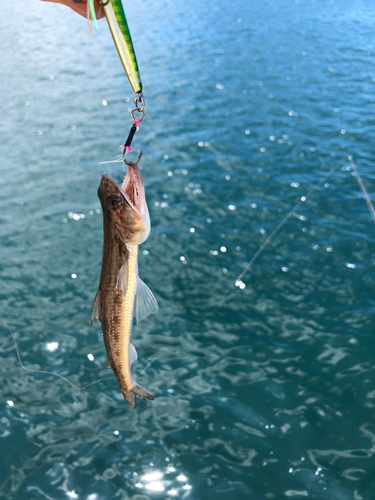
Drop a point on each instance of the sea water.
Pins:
(262, 391)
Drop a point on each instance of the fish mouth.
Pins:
(135, 211)
(132, 189)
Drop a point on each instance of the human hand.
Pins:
(81, 7)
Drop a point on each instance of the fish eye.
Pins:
(115, 202)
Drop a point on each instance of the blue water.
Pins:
(264, 391)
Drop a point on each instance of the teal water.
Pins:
(261, 392)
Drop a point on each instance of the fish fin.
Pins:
(129, 398)
(142, 393)
(145, 302)
(139, 391)
(122, 278)
(108, 365)
(133, 355)
(95, 314)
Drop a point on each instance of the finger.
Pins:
(80, 8)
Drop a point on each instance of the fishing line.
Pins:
(277, 229)
(43, 371)
(238, 281)
(152, 359)
(363, 189)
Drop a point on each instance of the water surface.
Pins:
(264, 391)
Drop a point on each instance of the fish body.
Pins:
(121, 293)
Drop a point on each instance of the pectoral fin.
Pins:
(145, 302)
(122, 278)
(96, 313)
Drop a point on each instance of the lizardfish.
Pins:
(121, 293)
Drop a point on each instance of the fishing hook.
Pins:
(139, 99)
(132, 162)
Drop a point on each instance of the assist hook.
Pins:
(130, 163)
(139, 99)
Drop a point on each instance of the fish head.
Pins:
(124, 208)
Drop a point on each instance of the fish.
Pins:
(121, 293)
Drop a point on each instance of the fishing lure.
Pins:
(119, 28)
(118, 25)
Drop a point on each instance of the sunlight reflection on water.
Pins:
(168, 482)
(263, 384)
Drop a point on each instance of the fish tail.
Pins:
(142, 393)
(139, 391)
(129, 398)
